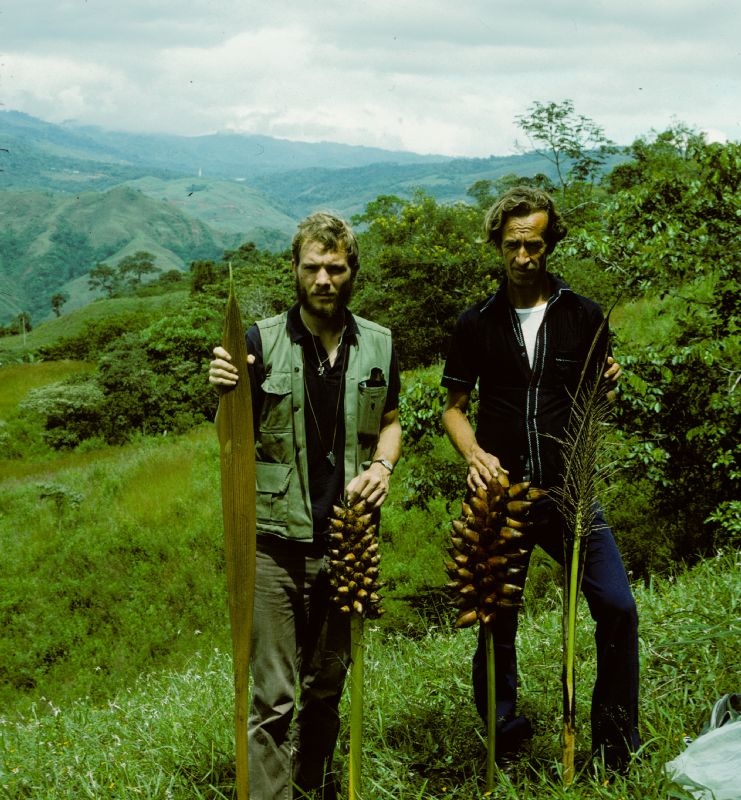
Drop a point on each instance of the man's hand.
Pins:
(613, 372)
(611, 375)
(372, 485)
(483, 469)
(221, 371)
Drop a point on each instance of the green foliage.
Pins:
(94, 337)
(70, 411)
(679, 417)
(575, 145)
(424, 265)
(155, 381)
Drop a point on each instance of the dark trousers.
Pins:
(299, 638)
(605, 585)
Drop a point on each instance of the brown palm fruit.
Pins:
(354, 559)
(489, 542)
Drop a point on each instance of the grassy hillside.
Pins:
(19, 379)
(72, 323)
(104, 597)
(229, 206)
(48, 241)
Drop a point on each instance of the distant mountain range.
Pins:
(73, 195)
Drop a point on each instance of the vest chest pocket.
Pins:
(277, 405)
(272, 493)
(371, 401)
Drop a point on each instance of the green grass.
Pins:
(169, 734)
(112, 564)
(13, 348)
(19, 379)
(656, 317)
(115, 680)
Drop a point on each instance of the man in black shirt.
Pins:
(526, 347)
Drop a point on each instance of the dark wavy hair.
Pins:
(330, 231)
(521, 201)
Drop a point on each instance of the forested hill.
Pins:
(48, 242)
(37, 150)
(67, 203)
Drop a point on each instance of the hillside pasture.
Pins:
(18, 379)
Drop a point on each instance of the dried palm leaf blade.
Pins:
(238, 492)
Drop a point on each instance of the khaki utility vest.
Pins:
(283, 502)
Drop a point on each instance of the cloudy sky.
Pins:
(432, 76)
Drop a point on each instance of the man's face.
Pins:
(524, 248)
(323, 280)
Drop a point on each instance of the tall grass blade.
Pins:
(238, 496)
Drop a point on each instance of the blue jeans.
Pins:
(298, 638)
(614, 715)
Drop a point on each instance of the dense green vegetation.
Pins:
(111, 530)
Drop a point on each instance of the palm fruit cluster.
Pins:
(489, 545)
(354, 560)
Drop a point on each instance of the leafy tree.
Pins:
(70, 411)
(57, 301)
(131, 269)
(575, 145)
(22, 323)
(422, 265)
(481, 192)
(674, 224)
(203, 274)
(104, 278)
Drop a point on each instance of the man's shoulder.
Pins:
(370, 326)
(271, 322)
(577, 301)
(479, 310)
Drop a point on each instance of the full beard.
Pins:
(329, 311)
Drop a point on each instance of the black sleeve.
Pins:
(462, 365)
(256, 373)
(392, 395)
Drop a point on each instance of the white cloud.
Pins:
(427, 75)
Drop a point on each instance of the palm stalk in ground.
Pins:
(583, 448)
(238, 493)
(354, 579)
(489, 542)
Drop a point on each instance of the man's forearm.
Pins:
(460, 432)
(388, 447)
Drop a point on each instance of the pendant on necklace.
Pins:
(320, 370)
(331, 458)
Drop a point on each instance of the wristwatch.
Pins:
(386, 463)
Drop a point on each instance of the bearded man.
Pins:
(325, 398)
